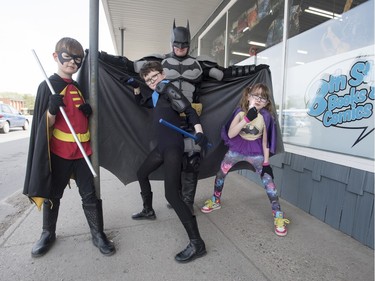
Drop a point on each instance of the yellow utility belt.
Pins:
(197, 107)
(67, 137)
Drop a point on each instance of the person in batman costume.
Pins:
(54, 157)
(126, 126)
(187, 73)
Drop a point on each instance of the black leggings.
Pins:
(63, 169)
(171, 157)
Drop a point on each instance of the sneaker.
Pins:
(210, 205)
(280, 223)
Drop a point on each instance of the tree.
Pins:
(29, 101)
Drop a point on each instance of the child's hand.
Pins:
(251, 114)
(129, 82)
(201, 139)
(133, 83)
(267, 170)
(55, 101)
(86, 109)
(203, 142)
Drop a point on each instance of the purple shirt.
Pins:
(251, 147)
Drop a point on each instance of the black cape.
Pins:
(38, 182)
(124, 127)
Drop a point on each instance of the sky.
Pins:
(27, 25)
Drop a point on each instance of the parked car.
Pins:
(11, 118)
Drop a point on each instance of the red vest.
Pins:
(62, 142)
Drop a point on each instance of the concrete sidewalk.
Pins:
(239, 237)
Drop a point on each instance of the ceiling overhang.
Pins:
(145, 26)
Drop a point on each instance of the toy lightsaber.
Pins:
(66, 118)
(166, 123)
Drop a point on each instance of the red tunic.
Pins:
(62, 142)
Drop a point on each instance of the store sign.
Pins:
(332, 103)
(343, 97)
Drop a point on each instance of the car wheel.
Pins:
(5, 128)
(26, 125)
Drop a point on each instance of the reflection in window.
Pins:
(253, 27)
(213, 42)
(344, 32)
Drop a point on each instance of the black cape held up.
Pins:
(124, 127)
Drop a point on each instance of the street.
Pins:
(13, 151)
(12, 165)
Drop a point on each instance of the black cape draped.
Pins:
(124, 127)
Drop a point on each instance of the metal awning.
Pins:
(147, 25)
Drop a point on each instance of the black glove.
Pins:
(86, 109)
(201, 140)
(130, 82)
(163, 88)
(261, 66)
(251, 114)
(118, 61)
(55, 101)
(267, 170)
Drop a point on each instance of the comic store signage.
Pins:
(339, 102)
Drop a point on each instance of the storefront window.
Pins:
(253, 26)
(330, 78)
(213, 42)
(323, 80)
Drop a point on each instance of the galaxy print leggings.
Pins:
(230, 159)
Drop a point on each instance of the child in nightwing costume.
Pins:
(251, 137)
(54, 157)
(167, 102)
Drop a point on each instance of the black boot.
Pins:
(50, 213)
(189, 188)
(196, 248)
(147, 213)
(94, 216)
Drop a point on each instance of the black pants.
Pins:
(63, 170)
(171, 157)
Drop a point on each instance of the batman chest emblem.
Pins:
(188, 69)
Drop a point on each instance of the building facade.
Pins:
(17, 104)
(321, 56)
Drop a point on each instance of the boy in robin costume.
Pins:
(54, 156)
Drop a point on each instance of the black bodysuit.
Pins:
(168, 151)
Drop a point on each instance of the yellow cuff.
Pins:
(38, 201)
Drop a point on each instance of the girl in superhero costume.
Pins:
(167, 103)
(54, 157)
(251, 137)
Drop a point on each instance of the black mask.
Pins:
(64, 56)
(180, 36)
